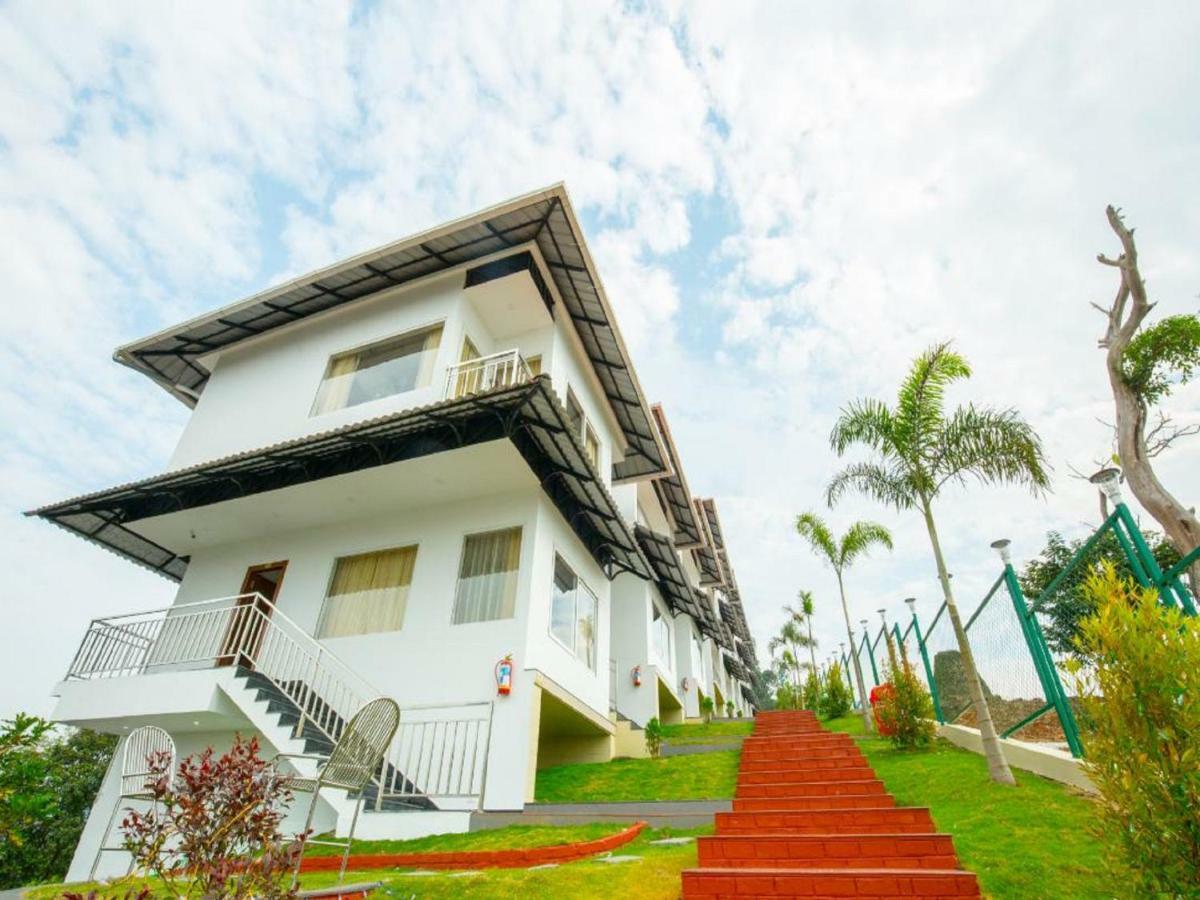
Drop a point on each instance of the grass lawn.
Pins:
(712, 733)
(1031, 841)
(702, 776)
(512, 837)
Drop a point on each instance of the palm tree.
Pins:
(791, 639)
(841, 553)
(919, 449)
(804, 616)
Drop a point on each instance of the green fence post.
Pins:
(933, 692)
(870, 652)
(1031, 629)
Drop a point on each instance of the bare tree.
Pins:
(1126, 315)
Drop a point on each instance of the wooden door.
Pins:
(249, 617)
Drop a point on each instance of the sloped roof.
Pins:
(173, 358)
(672, 489)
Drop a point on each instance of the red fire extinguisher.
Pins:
(637, 676)
(504, 676)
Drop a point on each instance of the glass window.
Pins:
(487, 577)
(535, 365)
(661, 632)
(381, 370)
(591, 446)
(573, 613)
(368, 593)
(574, 414)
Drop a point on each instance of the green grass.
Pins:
(1034, 840)
(702, 776)
(712, 733)
(512, 837)
(654, 876)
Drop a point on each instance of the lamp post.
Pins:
(887, 636)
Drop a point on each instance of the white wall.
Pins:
(631, 647)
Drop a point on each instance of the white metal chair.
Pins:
(357, 755)
(140, 745)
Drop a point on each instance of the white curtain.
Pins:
(487, 577)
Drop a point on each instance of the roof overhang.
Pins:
(529, 415)
(672, 489)
(735, 668)
(672, 581)
(174, 358)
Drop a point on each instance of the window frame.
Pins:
(358, 349)
(462, 550)
(593, 667)
(414, 545)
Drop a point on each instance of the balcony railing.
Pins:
(438, 751)
(487, 373)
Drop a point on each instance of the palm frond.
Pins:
(994, 446)
(892, 487)
(860, 538)
(813, 529)
(867, 422)
(919, 415)
(807, 604)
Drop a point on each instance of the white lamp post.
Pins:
(1109, 481)
(1002, 547)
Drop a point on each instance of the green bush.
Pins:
(729, 709)
(787, 697)
(810, 695)
(907, 710)
(706, 709)
(654, 737)
(1136, 677)
(835, 698)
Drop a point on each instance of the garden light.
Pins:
(1002, 547)
(1109, 481)
(912, 604)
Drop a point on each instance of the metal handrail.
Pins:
(487, 373)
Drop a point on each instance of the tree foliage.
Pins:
(1069, 603)
(1161, 356)
(653, 734)
(1137, 680)
(48, 783)
(835, 699)
(906, 711)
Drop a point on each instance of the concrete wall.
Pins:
(1041, 759)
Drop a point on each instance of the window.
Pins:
(573, 614)
(535, 365)
(468, 379)
(697, 659)
(660, 629)
(591, 446)
(574, 414)
(487, 577)
(381, 370)
(368, 593)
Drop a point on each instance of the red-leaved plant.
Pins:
(214, 830)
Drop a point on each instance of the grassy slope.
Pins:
(1031, 841)
(703, 776)
(512, 837)
(712, 733)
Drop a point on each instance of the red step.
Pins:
(797, 743)
(828, 851)
(809, 789)
(806, 775)
(871, 820)
(843, 761)
(823, 884)
(818, 802)
(760, 754)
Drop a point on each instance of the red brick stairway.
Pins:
(810, 819)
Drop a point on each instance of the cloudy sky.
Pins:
(785, 204)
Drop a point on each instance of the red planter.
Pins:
(878, 694)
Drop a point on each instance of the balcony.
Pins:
(487, 373)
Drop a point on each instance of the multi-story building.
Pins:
(399, 471)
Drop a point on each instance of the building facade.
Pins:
(399, 473)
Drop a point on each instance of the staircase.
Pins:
(810, 819)
(301, 725)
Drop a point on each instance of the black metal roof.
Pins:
(545, 218)
(735, 668)
(673, 490)
(529, 414)
(706, 555)
(673, 581)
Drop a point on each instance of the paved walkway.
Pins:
(673, 813)
(810, 819)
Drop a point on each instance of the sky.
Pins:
(786, 204)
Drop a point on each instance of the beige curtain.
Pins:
(467, 380)
(433, 340)
(369, 593)
(335, 389)
(487, 577)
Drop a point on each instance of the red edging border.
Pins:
(477, 859)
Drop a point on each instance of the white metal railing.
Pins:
(438, 751)
(487, 373)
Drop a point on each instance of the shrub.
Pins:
(1136, 680)
(787, 697)
(729, 709)
(706, 708)
(810, 696)
(905, 713)
(835, 698)
(654, 737)
(216, 825)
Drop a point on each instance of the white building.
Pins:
(399, 470)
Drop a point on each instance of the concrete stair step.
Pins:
(836, 751)
(849, 820)
(795, 742)
(814, 763)
(806, 775)
(825, 884)
(828, 851)
(809, 789)
(814, 802)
